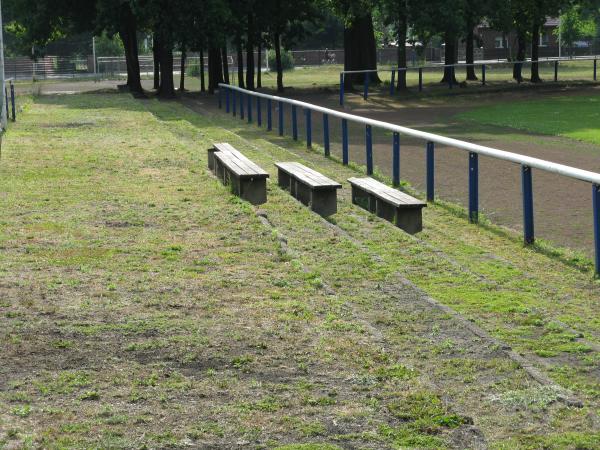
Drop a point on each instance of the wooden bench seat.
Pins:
(247, 180)
(310, 187)
(388, 203)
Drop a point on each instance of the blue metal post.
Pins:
(307, 114)
(294, 123)
(280, 123)
(420, 79)
(596, 202)
(342, 88)
(369, 148)
(234, 102)
(527, 192)
(249, 108)
(430, 171)
(392, 81)
(326, 134)
(220, 97)
(227, 101)
(483, 74)
(473, 187)
(366, 86)
(345, 142)
(242, 105)
(556, 70)
(595, 66)
(258, 112)
(269, 115)
(396, 159)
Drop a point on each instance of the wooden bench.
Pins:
(388, 203)
(309, 187)
(247, 180)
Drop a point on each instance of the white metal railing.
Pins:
(526, 162)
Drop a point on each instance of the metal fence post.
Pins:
(527, 192)
(430, 171)
(294, 123)
(420, 79)
(227, 102)
(249, 108)
(342, 88)
(345, 142)
(596, 206)
(369, 148)
(393, 81)
(5, 100)
(307, 114)
(473, 187)
(242, 105)
(556, 70)
(396, 159)
(258, 112)
(280, 122)
(366, 86)
(269, 115)
(326, 134)
(595, 66)
(483, 74)
(13, 101)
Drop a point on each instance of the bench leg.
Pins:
(234, 182)
(302, 193)
(283, 180)
(211, 159)
(254, 190)
(360, 197)
(324, 201)
(372, 203)
(410, 220)
(385, 210)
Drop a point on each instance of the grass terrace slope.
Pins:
(143, 305)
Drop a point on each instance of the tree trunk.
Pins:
(202, 82)
(215, 69)
(449, 59)
(240, 62)
(521, 53)
(535, 42)
(165, 49)
(182, 70)
(278, 65)
(470, 57)
(225, 61)
(402, 29)
(360, 51)
(156, 58)
(128, 34)
(250, 53)
(259, 66)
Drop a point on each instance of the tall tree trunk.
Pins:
(521, 54)
(259, 65)
(402, 29)
(182, 69)
(215, 69)
(167, 88)
(250, 53)
(535, 42)
(225, 61)
(128, 34)
(360, 50)
(156, 58)
(278, 65)
(449, 58)
(202, 82)
(470, 57)
(240, 62)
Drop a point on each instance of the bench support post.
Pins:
(324, 201)
(294, 123)
(369, 148)
(326, 134)
(527, 192)
(345, 142)
(410, 220)
(473, 187)
(258, 112)
(307, 114)
(280, 123)
(269, 115)
(430, 171)
(596, 202)
(254, 190)
(396, 159)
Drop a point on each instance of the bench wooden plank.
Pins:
(308, 176)
(241, 165)
(386, 193)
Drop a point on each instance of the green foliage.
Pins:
(108, 45)
(287, 60)
(574, 26)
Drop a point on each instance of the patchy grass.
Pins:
(155, 309)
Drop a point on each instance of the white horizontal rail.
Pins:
(548, 166)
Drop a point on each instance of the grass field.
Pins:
(143, 305)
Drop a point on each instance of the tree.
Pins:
(575, 25)
(396, 13)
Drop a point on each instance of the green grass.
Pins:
(574, 116)
(155, 309)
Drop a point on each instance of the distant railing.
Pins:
(12, 102)
(236, 98)
(452, 72)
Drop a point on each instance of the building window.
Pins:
(544, 38)
(499, 42)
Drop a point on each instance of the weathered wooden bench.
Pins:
(388, 203)
(247, 180)
(310, 187)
